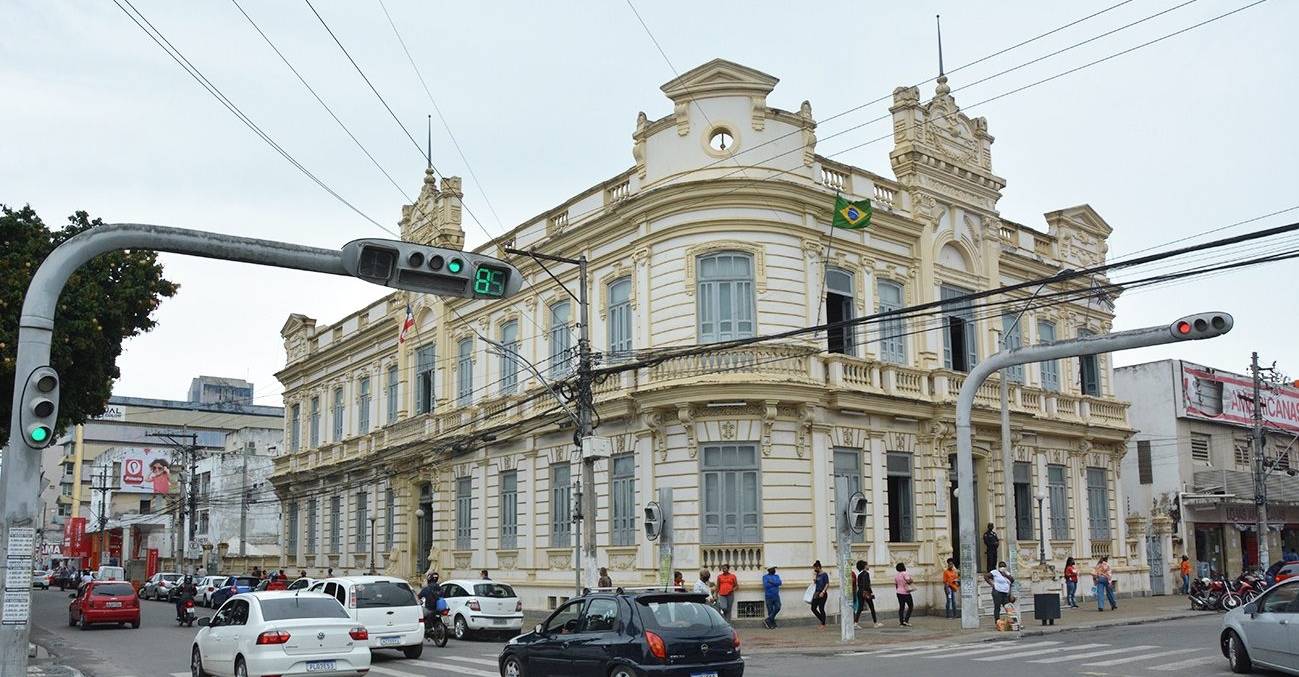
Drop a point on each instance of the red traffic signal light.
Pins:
(1184, 327)
(1201, 326)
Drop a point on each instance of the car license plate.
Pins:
(320, 666)
(112, 605)
(499, 621)
(389, 641)
(703, 674)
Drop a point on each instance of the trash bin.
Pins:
(1046, 607)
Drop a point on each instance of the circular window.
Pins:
(721, 140)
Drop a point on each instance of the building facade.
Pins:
(720, 230)
(1190, 465)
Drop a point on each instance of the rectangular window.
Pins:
(392, 393)
(1050, 368)
(847, 464)
(1241, 454)
(893, 340)
(509, 511)
(1145, 473)
(338, 414)
(1098, 504)
(424, 363)
(464, 513)
(509, 363)
(295, 431)
(1023, 501)
(313, 512)
(293, 530)
(363, 414)
(1201, 449)
(959, 347)
(203, 522)
(335, 524)
(1011, 339)
(622, 496)
(389, 518)
(315, 422)
(731, 494)
(561, 338)
(362, 522)
(620, 319)
(1089, 375)
(1058, 492)
(465, 371)
(724, 293)
(901, 498)
(146, 506)
(561, 505)
(838, 309)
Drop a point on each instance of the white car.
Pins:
(41, 579)
(383, 604)
(259, 633)
(301, 584)
(206, 586)
(482, 605)
(1265, 632)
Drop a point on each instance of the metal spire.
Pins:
(429, 154)
(938, 19)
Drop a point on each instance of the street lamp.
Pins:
(1041, 530)
(372, 571)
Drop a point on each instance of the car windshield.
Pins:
(302, 607)
(384, 594)
(171, 578)
(496, 590)
(684, 616)
(112, 590)
(246, 581)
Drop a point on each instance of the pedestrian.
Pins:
(678, 581)
(302, 573)
(904, 586)
(1103, 578)
(702, 586)
(990, 544)
(202, 572)
(863, 596)
(820, 591)
(329, 573)
(1071, 583)
(605, 581)
(1185, 568)
(483, 575)
(726, 585)
(951, 584)
(771, 592)
(1001, 581)
(1289, 554)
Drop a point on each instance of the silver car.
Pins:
(1265, 632)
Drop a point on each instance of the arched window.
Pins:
(839, 308)
(725, 293)
(619, 328)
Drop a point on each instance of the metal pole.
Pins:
(1007, 477)
(372, 569)
(665, 537)
(1087, 345)
(243, 502)
(847, 631)
(577, 537)
(1041, 532)
(18, 490)
(1260, 477)
(586, 401)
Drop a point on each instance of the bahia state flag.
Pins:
(851, 215)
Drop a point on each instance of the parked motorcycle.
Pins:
(187, 615)
(1210, 593)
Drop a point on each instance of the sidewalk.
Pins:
(798, 634)
(41, 664)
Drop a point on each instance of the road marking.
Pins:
(459, 670)
(1093, 654)
(1133, 659)
(1190, 663)
(1039, 652)
(476, 661)
(956, 651)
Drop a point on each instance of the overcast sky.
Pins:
(1171, 140)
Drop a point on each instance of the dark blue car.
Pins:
(232, 586)
(628, 634)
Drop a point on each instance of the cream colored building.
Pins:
(719, 230)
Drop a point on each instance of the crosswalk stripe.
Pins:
(1189, 663)
(180, 674)
(1092, 654)
(466, 659)
(956, 650)
(1142, 657)
(455, 669)
(876, 652)
(1039, 652)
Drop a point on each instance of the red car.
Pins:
(1290, 570)
(104, 602)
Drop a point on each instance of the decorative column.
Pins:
(1161, 529)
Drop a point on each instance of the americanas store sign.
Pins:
(1229, 398)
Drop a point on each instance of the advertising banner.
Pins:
(1229, 398)
(75, 543)
(145, 471)
(151, 563)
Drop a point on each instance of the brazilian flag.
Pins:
(851, 215)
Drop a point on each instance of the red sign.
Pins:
(75, 543)
(151, 563)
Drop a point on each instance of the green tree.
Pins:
(107, 301)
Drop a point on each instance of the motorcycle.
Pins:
(434, 628)
(1208, 594)
(1248, 586)
(187, 615)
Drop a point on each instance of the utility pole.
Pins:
(1260, 474)
(843, 543)
(102, 518)
(577, 537)
(243, 503)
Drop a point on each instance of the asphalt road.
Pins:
(160, 648)
(1176, 648)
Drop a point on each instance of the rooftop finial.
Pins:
(938, 19)
(429, 155)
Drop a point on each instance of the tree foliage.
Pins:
(107, 301)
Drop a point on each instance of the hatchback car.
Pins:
(628, 634)
(159, 585)
(301, 584)
(104, 602)
(482, 605)
(231, 586)
(1265, 632)
(278, 634)
(383, 604)
(42, 579)
(206, 587)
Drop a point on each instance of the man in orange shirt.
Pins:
(1186, 575)
(951, 584)
(726, 585)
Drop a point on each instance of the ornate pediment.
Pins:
(720, 77)
(940, 148)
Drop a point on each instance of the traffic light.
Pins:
(855, 512)
(40, 407)
(431, 270)
(1201, 326)
(653, 521)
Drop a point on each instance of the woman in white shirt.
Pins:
(1001, 581)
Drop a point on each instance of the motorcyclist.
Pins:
(429, 596)
(185, 592)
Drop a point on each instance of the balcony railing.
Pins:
(740, 557)
(774, 362)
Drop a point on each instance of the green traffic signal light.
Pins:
(455, 265)
(39, 434)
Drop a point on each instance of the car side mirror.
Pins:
(536, 628)
(204, 622)
(72, 596)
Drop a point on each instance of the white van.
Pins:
(110, 573)
(385, 605)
